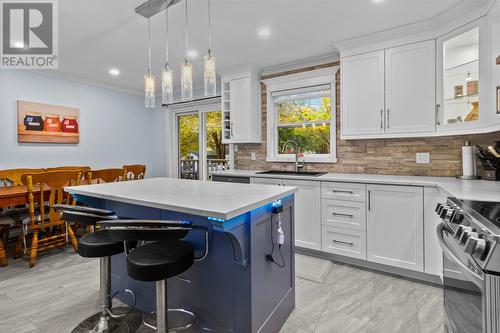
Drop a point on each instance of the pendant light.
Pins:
(187, 67)
(210, 75)
(167, 81)
(149, 78)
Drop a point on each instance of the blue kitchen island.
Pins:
(235, 288)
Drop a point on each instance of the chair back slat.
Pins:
(54, 182)
(134, 171)
(104, 176)
(12, 177)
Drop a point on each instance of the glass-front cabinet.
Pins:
(461, 77)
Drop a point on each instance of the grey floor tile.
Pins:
(336, 322)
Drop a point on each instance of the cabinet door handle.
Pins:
(437, 114)
(341, 214)
(232, 134)
(342, 191)
(388, 118)
(381, 119)
(342, 242)
(369, 200)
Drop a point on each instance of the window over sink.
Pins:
(301, 108)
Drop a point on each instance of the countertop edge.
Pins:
(188, 210)
(443, 183)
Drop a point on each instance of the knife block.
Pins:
(491, 174)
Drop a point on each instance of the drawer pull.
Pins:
(342, 242)
(343, 191)
(345, 215)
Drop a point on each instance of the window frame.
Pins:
(326, 76)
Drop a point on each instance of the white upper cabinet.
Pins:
(241, 116)
(363, 94)
(389, 92)
(410, 88)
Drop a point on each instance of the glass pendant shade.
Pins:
(187, 80)
(167, 86)
(210, 75)
(149, 90)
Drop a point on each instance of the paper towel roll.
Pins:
(469, 161)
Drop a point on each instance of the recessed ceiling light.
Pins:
(379, 1)
(264, 32)
(193, 54)
(114, 71)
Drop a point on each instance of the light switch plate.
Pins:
(423, 158)
(253, 156)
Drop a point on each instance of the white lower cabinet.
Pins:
(307, 213)
(346, 242)
(395, 226)
(307, 210)
(344, 214)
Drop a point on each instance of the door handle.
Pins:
(342, 191)
(369, 200)
(342, 242)
(232, 134)
(341, 214)
(381, 119)
(388, 118)
(437, 114)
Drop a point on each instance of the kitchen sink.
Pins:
(292, 173)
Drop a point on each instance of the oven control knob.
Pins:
(443, 212)
(457, 218)
(438, 207)
(459, 232)
(475, 245)
(466, 233)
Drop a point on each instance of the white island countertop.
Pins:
(211, 199)
(482, 190)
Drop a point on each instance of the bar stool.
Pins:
(98, 245)
(165, 257)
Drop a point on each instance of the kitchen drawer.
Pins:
(228, 179)
(344, 214)
(346, 242)
(343, 191)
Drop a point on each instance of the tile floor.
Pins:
(62, 289)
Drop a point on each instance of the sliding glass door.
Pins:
(200, 148)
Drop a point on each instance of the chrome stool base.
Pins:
(178, 319)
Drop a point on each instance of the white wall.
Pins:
(115, 128)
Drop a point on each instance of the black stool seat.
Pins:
(84, 215)
(98, 244)
(160, 260)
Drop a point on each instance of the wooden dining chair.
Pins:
(104, 176)
(11, 216)
(134, 171)
(46, 227)
(82, 169)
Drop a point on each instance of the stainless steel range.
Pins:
(469, 235)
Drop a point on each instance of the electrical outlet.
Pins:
(253, 156)
(423, 158)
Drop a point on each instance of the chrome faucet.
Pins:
(298, 166)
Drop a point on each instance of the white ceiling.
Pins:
(96, 35)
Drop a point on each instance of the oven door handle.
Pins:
(472, 276)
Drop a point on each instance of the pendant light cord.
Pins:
(187, 27)
(166, 24)
(149, 42)
(209, 27)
